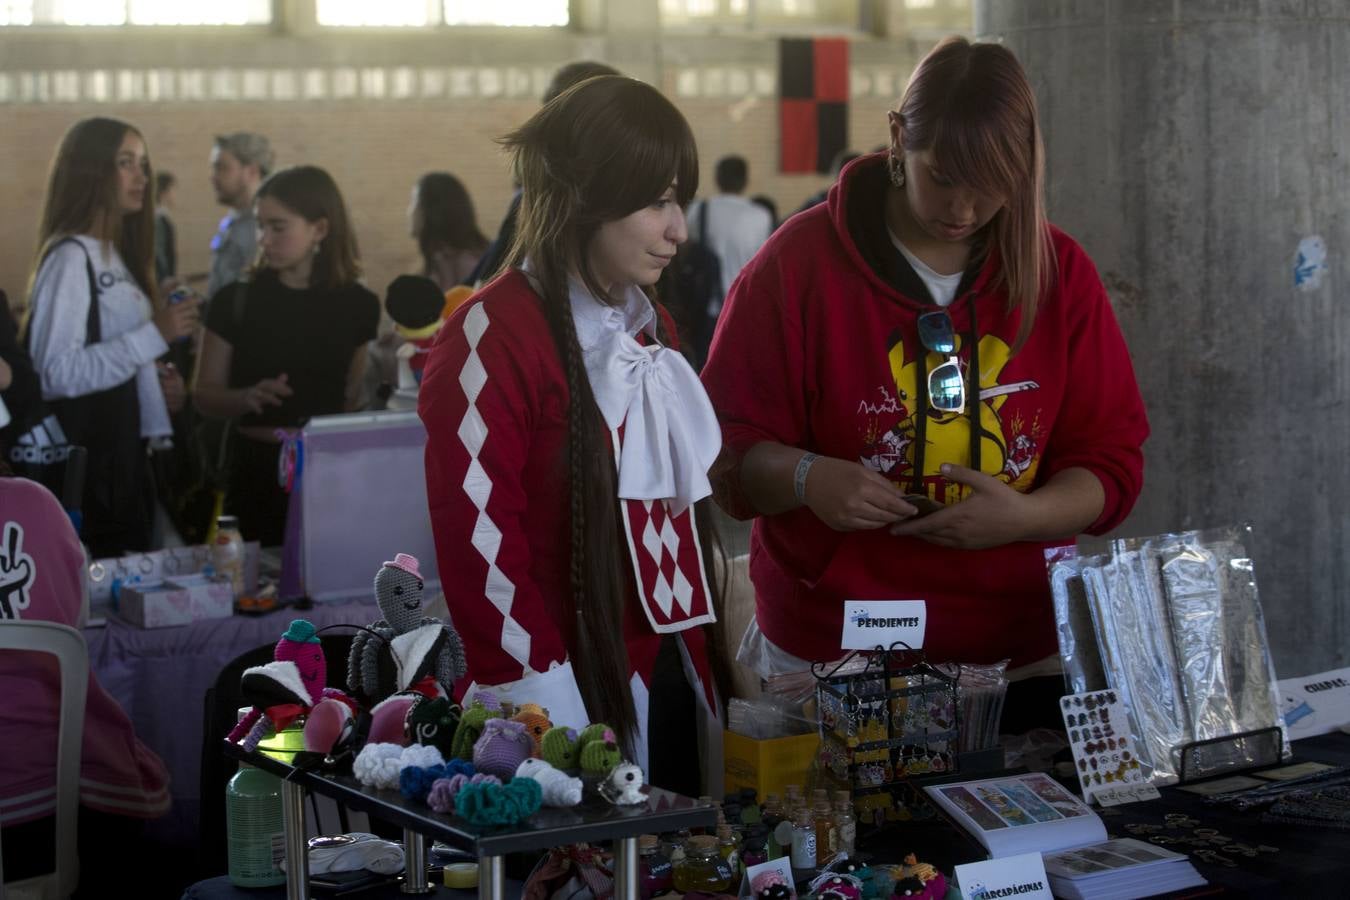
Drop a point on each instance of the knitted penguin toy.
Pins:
(421, 647)
(290, 686)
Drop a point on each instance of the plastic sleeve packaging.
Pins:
(1176, 628)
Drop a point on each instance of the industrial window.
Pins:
(414, 13)
(134, 12)
(762, 13)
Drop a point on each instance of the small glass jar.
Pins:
(703, 868)
(655, 874)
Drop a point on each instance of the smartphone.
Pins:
(925, 505)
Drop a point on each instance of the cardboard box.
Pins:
(768, 766)
(179, 601)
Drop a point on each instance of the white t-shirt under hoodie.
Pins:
(130, 343)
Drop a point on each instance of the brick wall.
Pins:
(377, 146)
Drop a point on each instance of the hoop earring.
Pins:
(897, 170)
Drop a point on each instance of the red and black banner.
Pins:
(812, 102)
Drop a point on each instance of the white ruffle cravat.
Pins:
(671, 437)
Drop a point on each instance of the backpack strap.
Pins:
(703, 222)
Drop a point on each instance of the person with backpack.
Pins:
(97, 327)
(733, 228)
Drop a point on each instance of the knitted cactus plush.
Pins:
(501, 748)
(560, 747)
(471, 723)
(599, 749)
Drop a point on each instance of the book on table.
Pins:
(1033, 813)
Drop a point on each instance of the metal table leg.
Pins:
(491, 878)
(297, 851)
(414, 864)
(626, 868)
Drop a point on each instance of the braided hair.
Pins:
(598, 152)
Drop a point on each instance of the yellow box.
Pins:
(767, 766)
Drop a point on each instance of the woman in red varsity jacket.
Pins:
(568, 446)
(922, 385)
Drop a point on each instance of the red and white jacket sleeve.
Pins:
(1102, 424)
(479, 400)
(757, 349)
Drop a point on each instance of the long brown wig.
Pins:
(972, 106)
(82, 198)
(598, 152)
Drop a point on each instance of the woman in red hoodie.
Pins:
(921, 385)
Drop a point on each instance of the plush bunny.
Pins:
(560, 789)
(421, 646)
(501, 748)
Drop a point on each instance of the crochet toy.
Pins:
(535, 719)
(831, 886)
(490, 804)
(561, 748)
(379, 765)
(444, 790)
(291, 686)
(623, 785)
(771, 885)
(471, 722)
(421, 646)
(919, 880)
(501, 748)
(432, 721)
(599, 749)
(559, 788)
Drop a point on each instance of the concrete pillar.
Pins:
(1198, 151)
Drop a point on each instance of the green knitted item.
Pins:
(470, 727)
(560, 748)
(594, 732)
(600, 752)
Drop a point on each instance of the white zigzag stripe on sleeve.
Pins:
(487, 537)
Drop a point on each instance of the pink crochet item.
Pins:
(407, 563)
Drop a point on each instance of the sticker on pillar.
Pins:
(881, 623)
(1311, 264)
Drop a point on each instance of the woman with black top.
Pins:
(287, 344)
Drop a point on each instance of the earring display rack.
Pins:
(887, 719)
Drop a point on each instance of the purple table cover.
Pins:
(160, 677)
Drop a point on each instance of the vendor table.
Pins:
(1311, 862)
(160, 676)
(593, 820)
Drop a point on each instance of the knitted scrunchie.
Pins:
(488, 804)
(379, 765)
(444, 790)
(414, 782)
